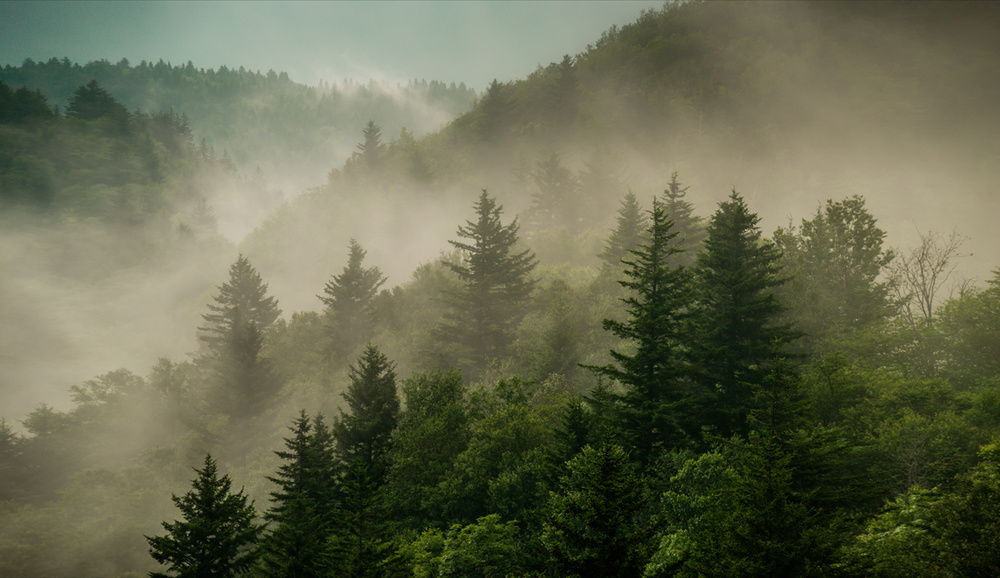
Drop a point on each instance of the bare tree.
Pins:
(922, 273)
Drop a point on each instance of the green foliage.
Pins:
(654, 409)
(594, 527)
(496, 283)
(348, 299)
(485, 548)
(738, 332)
(364, 434)
(433, 430)
(301, 518)
(217, 535)
(836, 262)
(234, 336)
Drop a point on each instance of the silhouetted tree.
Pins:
(217, 536)
(348, 298)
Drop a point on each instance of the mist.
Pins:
(115, 243)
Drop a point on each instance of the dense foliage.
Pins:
(559, 392)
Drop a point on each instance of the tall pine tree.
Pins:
(653, 410)
(217, 537)
(496, 284)
(738, 331)
(234, 338)
(348, 298)
(302, 514)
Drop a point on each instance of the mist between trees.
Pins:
(672, 306)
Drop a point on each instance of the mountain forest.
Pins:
(718, 296)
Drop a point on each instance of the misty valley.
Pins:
(718, 296)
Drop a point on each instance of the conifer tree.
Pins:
(348, 298)
(364, 434)
(654, 409)
(302, 514)
(689, 227)
(593, 528)
(496, 284)
(234, 338)
(738, 331)
(361, 545)
(628, 235)
(217, 536)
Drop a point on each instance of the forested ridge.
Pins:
(545, 340)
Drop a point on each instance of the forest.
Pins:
(719, 296)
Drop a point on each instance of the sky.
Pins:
(456, 41)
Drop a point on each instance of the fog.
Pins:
(785, 122)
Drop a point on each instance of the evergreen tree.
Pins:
(433, 431)
(486, 310)
(628, 235)
(217, 536)
(372, 149)
(234, 338)
(348, 299)
(654, 410)
(689, 227)
(494, 113)
(737, 327)
(594, 526)
(91, 101)
(301, 516)
(364, 435)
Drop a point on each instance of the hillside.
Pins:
(695, 301)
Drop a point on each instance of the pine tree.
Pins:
(217, 536)
(654, 408)
(556, 204)
(738, 332)
(486, 310)
(348, 298)
(302, 512)
(372, 149)
(364, 435)
(689, 227)
(628, 235)
(593, 528)
(234, 338)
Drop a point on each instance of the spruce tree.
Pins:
(234, 338)
(496, 284)
(628, 235)
(364, 434)
(689, 227)
(302, 514)
(738, 331)
(361, 545)
(654, 408)
(348, 298)
(217, 536)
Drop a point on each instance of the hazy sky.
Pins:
(471, 42)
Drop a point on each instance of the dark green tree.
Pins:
(234, 339)
(372, 149)
(364, 434)
(496, 284)
(91, 101)
(628, 235)
(217, 536)
(348, 299)
(494, 113)
(433, 431)
(302, 514)
(737, 327)
(654, 410)
(689, 227)
(595, 525)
